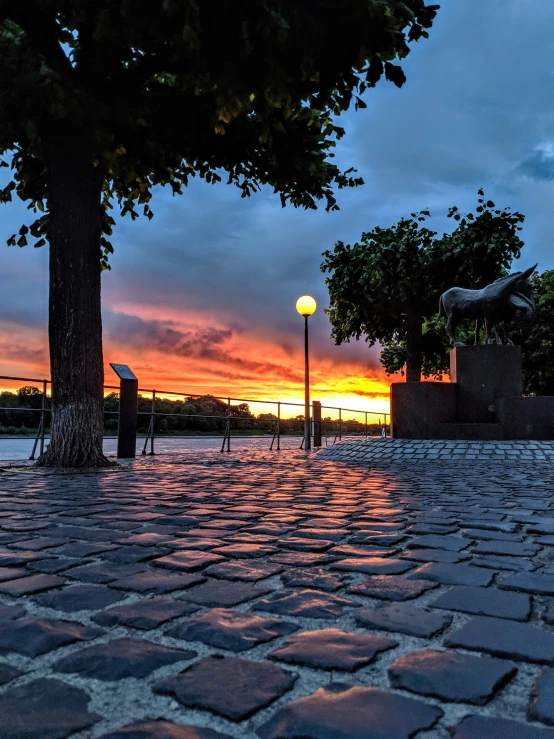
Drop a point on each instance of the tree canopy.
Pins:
(538, 350)
(387, 286)
(160, 94)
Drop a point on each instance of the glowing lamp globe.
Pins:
(305, 305)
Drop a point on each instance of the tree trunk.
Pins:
(414, 345)
(75, 323)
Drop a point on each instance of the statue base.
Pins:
(483, 401)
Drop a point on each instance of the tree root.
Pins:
(92, 460)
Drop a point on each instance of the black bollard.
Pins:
(128, 409)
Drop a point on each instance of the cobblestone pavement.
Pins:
(268, 596)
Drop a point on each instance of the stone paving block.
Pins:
(246, 571)
(504, 638)
(315, 578)
(135, 554)
(373, 565)
(163, 730)
(232, 630)
(387, 587)
(8, 612)
(188, 561)
(303, 544)
(53, 566)
(157, 582)
(148, 539)
(506, 548)
(435, 555)
(351, 550)
(228, 686)
(38, 543)
(30, 584)
(302, 559)
(447, 574)
(11, 559)
(343, 711)
(430, 528)
(504, 526)
(322, 533)
(33, 636)
(485, 535)
(81, 549)
(120, 658)
(376, 540)
(216, 593)
(495, 562)
(245, 551)
(451, 676)
(541, 701)
(104, 572)
(404, 618)
(24, 525)
(305, 603)
(434, 541)
(44, 709)
(529, 583)
(545, 540)
(79, 598)
(485, 602)
(332, 649)
(7, 674)
(489, 727)
(11, 573)
(144, 614)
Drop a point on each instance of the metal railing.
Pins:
(337, 426)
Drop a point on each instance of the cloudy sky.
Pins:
(202, 298)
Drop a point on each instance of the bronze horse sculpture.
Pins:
(510, 298)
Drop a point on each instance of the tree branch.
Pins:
(41, 30)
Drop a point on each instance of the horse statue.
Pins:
(510, 298)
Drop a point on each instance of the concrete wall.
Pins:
(526, 418)
(417, 405)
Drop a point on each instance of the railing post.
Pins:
(153, 421)
(279, 426)
(340, 424)
(366, 429)
(43, 415)
(316, 409)
(229, 424)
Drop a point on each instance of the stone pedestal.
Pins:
(484, 374)
(483, 401)
(418, 406)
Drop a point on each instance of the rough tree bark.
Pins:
(414, 345)
(75, 323)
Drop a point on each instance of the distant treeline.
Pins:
(189, 415)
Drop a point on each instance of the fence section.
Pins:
(168, 413)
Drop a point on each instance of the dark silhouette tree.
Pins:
(387, 287)
(538, 350)
(101, 101)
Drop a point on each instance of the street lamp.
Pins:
(306, 307)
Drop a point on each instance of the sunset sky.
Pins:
(202, 298)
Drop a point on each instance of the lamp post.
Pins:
(306, 307)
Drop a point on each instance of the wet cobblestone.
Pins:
(277, 596)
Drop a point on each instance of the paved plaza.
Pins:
(268, 595)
